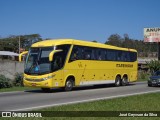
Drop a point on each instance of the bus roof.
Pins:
(55, 42)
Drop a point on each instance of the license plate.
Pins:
(153, 82)
(34, 84)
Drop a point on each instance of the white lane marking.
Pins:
(74, 102)
(11, 92)
(18, 91)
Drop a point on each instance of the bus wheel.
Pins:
(47, 90)
(69, 85)
(124, 81)
(117, 81)
(149, 85)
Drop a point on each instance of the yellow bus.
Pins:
(67, 63)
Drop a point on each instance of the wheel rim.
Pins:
(117, 81)
(124, 81)
(69, 84)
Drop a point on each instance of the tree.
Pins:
(128, 43)
(144, 49)
(154, 65)
(28, 40)
(94, 41)
(11, 43)
(115, 40)
(126, 36)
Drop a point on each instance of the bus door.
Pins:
(57, 70)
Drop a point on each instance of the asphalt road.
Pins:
(28, 100)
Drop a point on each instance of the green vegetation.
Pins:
(8, 83)
(18, 81)
(11, 43)
(153, 65)
(149, 102)
(143, 76)
(5, 82)
(144, 50)
(12, 89)
(145, 102)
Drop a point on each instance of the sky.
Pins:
(78, 19)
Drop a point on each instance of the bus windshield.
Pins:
(37, 61)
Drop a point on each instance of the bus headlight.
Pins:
(49, 77)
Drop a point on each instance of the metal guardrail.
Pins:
(144, 60)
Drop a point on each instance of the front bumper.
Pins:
(154, 83)
(42, 84)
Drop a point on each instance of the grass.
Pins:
(145, 102)
(149, 102)
(16, 89)
(142, 80)
(143, 76)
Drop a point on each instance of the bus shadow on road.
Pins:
(93, 87)
(98, 87)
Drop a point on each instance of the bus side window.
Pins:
(87, 53)
(93, 55)
(78, 53)
(81, 52)
(111, 55)
(75, 54)
(133, 56)
(106, 58)
(119, 56)
(127, 56)
(101, 54)
(57, 61)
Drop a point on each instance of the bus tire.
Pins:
(46, 90)
(124, 81)
(149, 85)
(118, 81)
(69, 85)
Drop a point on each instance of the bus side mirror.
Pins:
(20, 55)
(52, 53)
